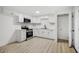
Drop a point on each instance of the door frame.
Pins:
(70, 29)
(70, 26)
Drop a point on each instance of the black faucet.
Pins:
(45, 27)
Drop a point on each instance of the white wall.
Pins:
(7, 29)
(0, 9)
(76, 34)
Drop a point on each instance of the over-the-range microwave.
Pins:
(26, 20)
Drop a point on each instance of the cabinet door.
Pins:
(21, 18)
(51, 34)
(18, 35)
(39, 33)
(23, 35)
(16, 19)
(46, 33)
(42, 33)
(35, 32)
(35, 20)
(52, 19)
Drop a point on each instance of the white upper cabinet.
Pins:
(21, 18)
(52, 19)
(35, 20)
(44, 33)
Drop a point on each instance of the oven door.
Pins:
(29, 34)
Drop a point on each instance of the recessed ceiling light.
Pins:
(37, 12)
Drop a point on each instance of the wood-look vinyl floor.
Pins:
(38, 45)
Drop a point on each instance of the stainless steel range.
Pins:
(29, 32)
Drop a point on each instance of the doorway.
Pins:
(63, 26)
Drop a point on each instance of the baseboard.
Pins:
(43, 37)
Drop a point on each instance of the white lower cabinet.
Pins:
(21, 35)
(44, 33)
(18, 35)
(35, 32)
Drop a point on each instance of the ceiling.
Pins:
(31, 10)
